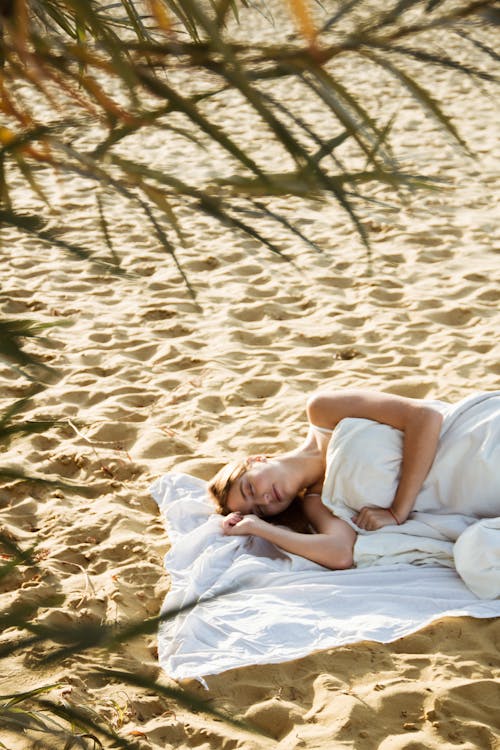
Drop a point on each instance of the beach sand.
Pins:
(150, 381)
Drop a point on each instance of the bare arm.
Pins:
(332, 547)
(420, 424)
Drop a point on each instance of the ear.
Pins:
(256, 459)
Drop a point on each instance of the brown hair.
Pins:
(220, 486)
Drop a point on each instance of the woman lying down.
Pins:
(370, 460)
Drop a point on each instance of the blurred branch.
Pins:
(77, 54)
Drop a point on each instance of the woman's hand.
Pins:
(236, 524)
(371, 519)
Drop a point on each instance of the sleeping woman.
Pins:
(369, 461)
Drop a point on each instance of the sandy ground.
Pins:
(148, 381)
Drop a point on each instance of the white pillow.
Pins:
(477, 558)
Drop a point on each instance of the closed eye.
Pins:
(246, 490)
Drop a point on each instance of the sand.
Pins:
(150, 381)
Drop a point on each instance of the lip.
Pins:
(277, 495)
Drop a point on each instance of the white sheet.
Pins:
(463, 485)
(282, 607)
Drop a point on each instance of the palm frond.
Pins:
(421, 95)
(181, 697)
(83, 49)
(12, 333)
(13, 699)
(441, 60)
(345, 9)
(187, 107)
(33, 225)
(480, 45)
(264, 210)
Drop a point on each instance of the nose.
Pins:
(266, 498)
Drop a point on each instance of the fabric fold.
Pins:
(252, 603)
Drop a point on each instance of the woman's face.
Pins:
(263, 489)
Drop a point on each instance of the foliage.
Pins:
(124, 67)
(31, 714)
(132, 66)
(13, 335)
(58, 723)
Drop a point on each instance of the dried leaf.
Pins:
(160, 14)
(302, 14)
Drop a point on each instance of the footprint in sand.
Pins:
(100, 338)
(259, 388)
(316, 362)
(380, 360)
(481, 348)
(478, 277)
(84, 398)
(260, 292)
(351, 321)
(386, 295)
(158, 314)
(476, 703)
(411, 388)
(138, 400)
(200, 265)
(211, 404)
(113, 432)
(435, 256)
(249, 338)
(275, 717)
(143, 352)
(489, 295)
(338, 282)
(249, 314)
(457, 317)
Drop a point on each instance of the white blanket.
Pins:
(463, 485)
(279, 606)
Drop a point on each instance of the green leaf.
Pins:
(346, 108)
(284, 222)
(85, 720)
(168, 247)
(420, 94)
(181, 697)
(15, 698)
(441, 60)
(11, 333)
(30, 179)
(187, 107)
(31, 225)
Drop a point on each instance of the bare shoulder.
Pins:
(326, 408)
